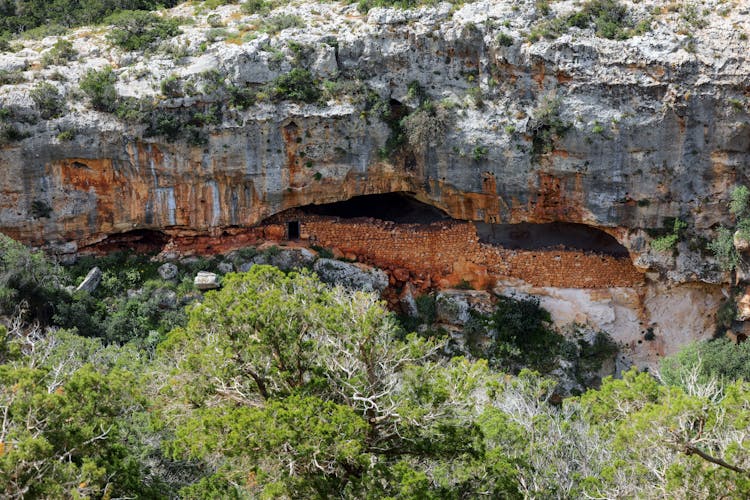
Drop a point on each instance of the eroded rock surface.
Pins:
(656, 125)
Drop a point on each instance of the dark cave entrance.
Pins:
(397, 207)
(292, 230)
(528, 236)
(140, 241)
(403, 208)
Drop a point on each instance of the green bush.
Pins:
(721, 359)
(48, 100)
(8, 77)
(609, 18)
(668, 241)
(41, 18)
(66, 135)
(426, 126)
(281, 22)
(139, 30)
(59, 54)
(28, 277)
(256, 7)
(297, 85)
(99, 86)
(171, 87)
(10, 133)
(521, 336)
(722, 246)
(546, 126)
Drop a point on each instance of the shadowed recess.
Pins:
(395, 207)
(139, 240)
(527, 236)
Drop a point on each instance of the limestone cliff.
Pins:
(617, 134)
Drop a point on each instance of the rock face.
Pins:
(656, 125)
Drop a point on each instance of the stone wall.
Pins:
(447, 253)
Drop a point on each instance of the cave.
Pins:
(139, 241)
(399, 207)
(528, 236)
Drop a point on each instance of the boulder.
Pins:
(206, 281)
(350, 275)
(226, 267)
(91, 281)
(168, 271)
(288, 259)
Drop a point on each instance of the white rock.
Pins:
(91, 281)
(206, 281)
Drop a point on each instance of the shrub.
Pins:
(8, 77)
(133, 110)
(185, 125)
(10, 133)
(241, 97)
(28, 276)
(138, 29)
(426, 126)
(99, 86)
(479, 153)
(668, 242)
(59, 54)
(721, 359)
(323, 252)
(522, 335)
(297, 85)
(66, 135)
(504, 40)
(171, 86)
(546, 125)
(722, 246)
(281, 22)
(48, 100)
(256, 7)
(740, 201)
(609, 18)
(43, 18)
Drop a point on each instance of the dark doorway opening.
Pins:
(395, 207)
(292, 230)
(527, 236)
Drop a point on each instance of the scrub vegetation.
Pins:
(278, 385)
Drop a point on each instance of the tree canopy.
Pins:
(279, 386)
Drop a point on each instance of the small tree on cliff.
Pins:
(730, 238)
(99, 86)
